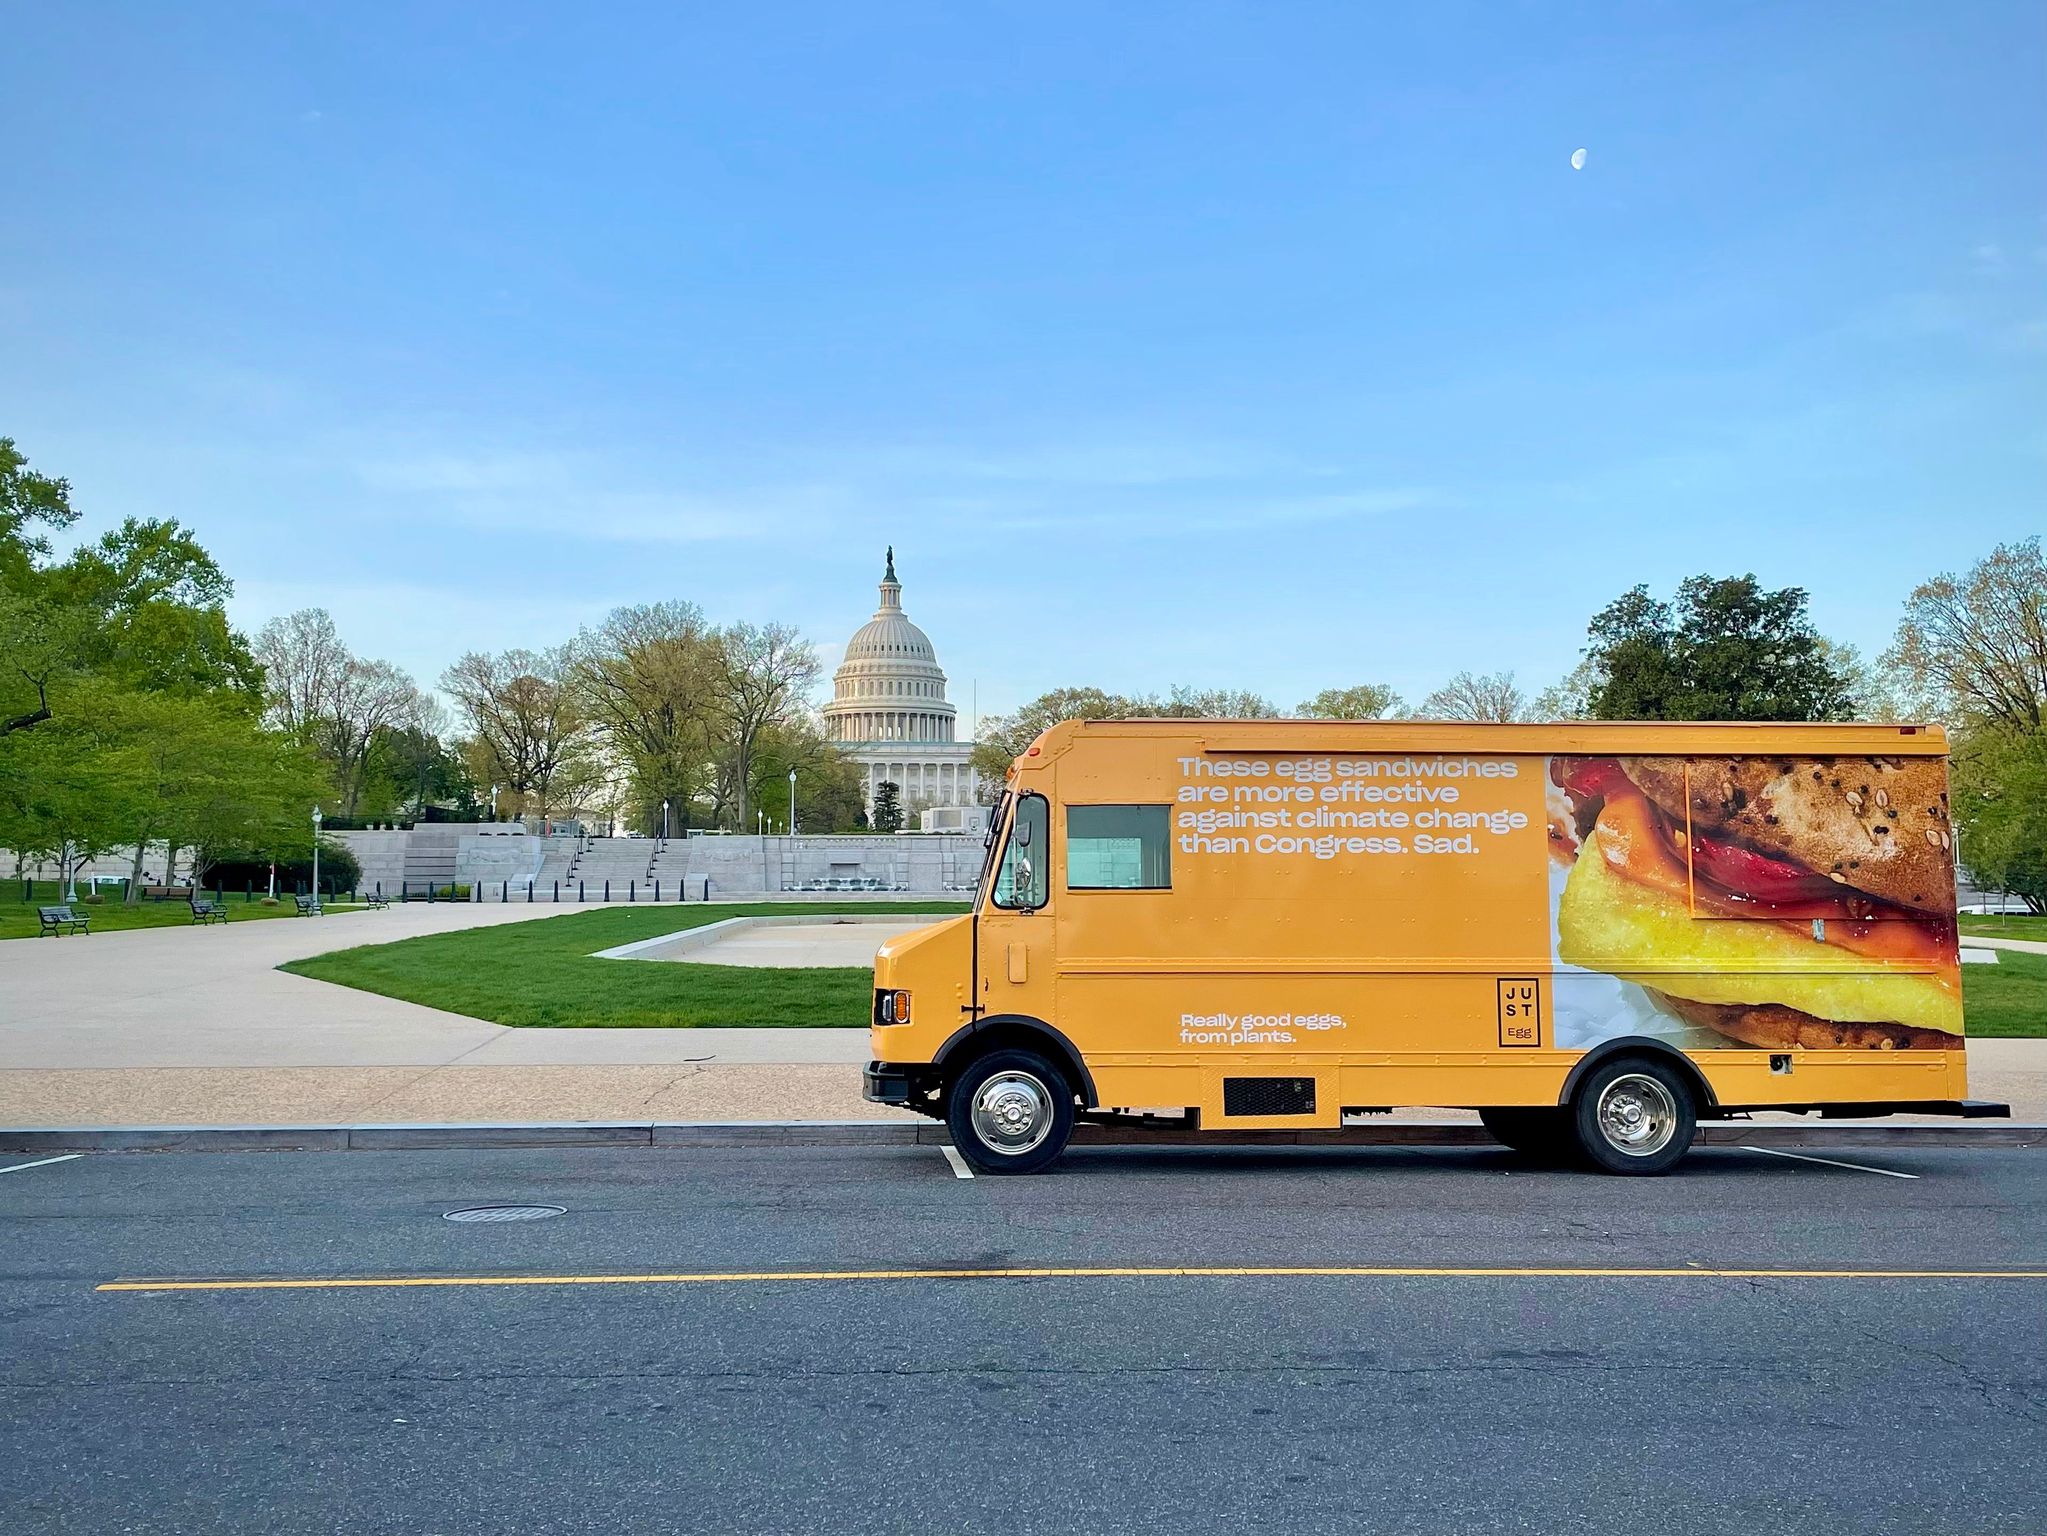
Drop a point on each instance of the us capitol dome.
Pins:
(889, 712)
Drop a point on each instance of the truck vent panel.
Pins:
(1268, 1096)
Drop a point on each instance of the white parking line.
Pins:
(960, 1170)
(1889, 1173)
(44, 1162)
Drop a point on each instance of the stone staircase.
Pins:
(624, 861)
(429, 858)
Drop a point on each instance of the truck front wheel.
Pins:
(1010, 1112)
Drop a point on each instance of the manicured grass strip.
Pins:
(2007, 1000)
(18, 918)
(2007, 927)
(540, 974)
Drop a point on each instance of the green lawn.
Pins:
(18, 918)
(2007, 927)
(540, 974)
(2008, 999)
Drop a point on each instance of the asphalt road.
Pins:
(1355, 1402)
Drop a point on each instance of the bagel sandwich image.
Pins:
(1776, 902)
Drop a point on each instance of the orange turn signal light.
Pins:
(902, 1008)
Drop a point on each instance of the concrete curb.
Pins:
(870, 1133)
(684, 941)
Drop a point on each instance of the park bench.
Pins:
(55, 920)
(376, 899)
(308, 906)
(168, 893)
(208, 912)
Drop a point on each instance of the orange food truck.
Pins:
(1595, 935)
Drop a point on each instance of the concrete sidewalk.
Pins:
(214, 998)
(198, 1026)
(2024, 946)
(175, 1026)
(740, 1074)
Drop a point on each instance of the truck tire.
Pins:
(1009, 1112)
(1538, 1133)
(1634, 1114)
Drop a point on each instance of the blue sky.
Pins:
(1270, 346)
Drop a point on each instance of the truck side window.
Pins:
(1024, 880)
(1118, 848)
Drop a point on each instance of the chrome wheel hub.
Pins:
(1012, 1113)
(1637, 1115)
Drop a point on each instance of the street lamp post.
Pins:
(792, 800)
(664, 821)
(316, 858)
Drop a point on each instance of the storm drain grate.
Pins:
(507, 1213)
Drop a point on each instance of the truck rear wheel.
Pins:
(1010, 1112)
(1634, 1115)
(1540, 1133)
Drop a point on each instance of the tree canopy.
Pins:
(1726, 649)
(130, 708)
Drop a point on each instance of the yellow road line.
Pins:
(1072, 1272)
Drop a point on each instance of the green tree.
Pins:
(1003, 738)
(1727, 649)
(649, 676)
(322, 694)
(888, 807)
(158, 603)
(2000, 799)
(1493, 698)
(829, 784)
(30, 504)
(761, 674)
(528, 732)
(1366, 701)
(1972, 650)
(1570, 697)
(411, 768)
(62, 797)
(1214, 704)
(1974, 647)
(129, 704)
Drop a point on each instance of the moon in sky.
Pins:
(1577, 159)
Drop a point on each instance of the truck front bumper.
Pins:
(884, 1083)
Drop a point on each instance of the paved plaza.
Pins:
(176, 1026)
(181, 1026)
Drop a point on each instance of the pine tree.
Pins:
(888, 807)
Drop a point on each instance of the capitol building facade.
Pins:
(889, 712)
